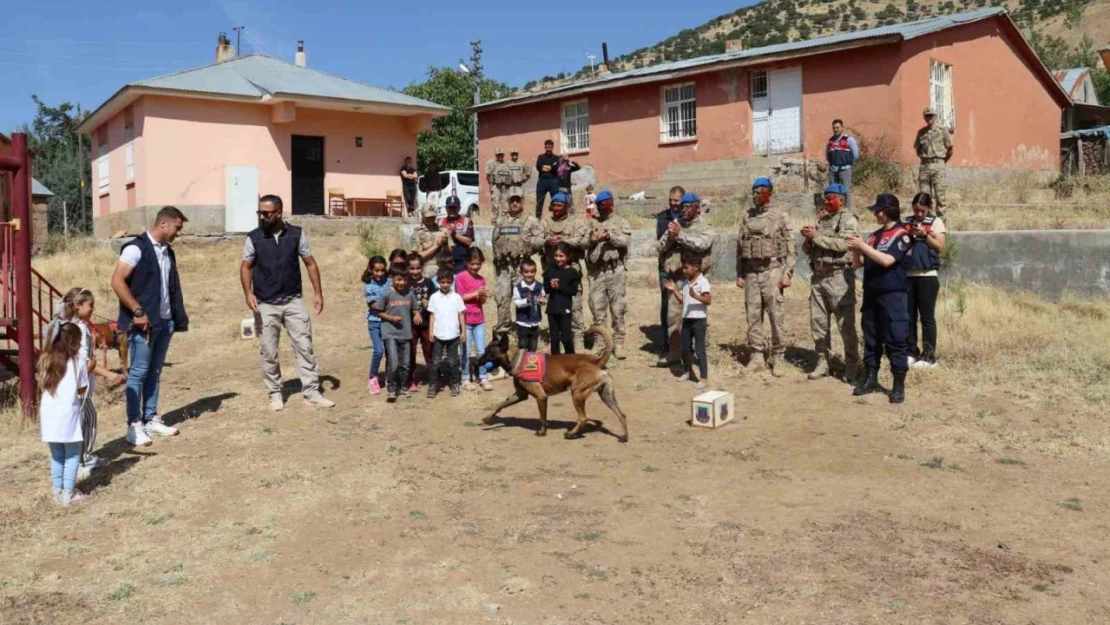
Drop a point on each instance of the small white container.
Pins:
(247, 329)
(712, 409)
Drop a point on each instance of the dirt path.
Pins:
(815, 508)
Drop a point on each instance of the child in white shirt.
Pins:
(64, 382)
(446, 308)
(694, 292)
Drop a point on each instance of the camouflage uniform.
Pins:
(575, 233)
(512, 242)
(696, 238)
(521, 173)
(765, 254)
(932, 145)
(832, 292)
(605, 264)
(502, 180)
(426, 237)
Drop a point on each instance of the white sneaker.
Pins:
(276, 402)
(94, 462)
(155, 427)
(319, 401)
(912, 361)
(83, 473)
(486, 386)
(924, 364)
(468, 386)
(500, 375)
(136, 435)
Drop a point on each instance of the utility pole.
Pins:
(80, 173)
(238, 36)
(476, 75)
(592, 57)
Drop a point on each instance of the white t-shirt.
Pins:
(131, 256)
(60, 412)
(446, 309)
(692, 308)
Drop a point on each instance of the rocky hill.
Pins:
(1058, 23)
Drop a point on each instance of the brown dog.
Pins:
(583, 374)
(104, 335)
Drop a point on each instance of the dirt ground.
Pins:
(980, 500)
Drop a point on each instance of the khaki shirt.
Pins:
(426, 237)
(573, 231)
(613, 249)
(520, 172)
(501, 174)
(766, 237)
(830, 246)
(695, 238)
(513, 237)
(933, 142)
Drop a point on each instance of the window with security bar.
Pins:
(940, 93)
(129, 152)
(576, 126)
(103, 175)
(679, 118)
(759, 84)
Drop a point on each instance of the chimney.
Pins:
(605, 53)
(224, 49)
(734, 45)
(300, 60)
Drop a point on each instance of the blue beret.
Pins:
(763, 182)
(559, 197)
(691, 198)
(603, 196)
(836, 188)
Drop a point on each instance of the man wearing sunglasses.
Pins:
(271, 278)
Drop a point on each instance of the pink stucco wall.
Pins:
(183, 146)
(1005, 115)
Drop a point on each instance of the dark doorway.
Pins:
(308, 175)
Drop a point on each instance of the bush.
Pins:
(371, 239)
(877, 166)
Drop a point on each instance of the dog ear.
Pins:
(505, 341)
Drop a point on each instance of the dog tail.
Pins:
(606, 336)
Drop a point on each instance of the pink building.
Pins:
(211, 140)
(975, 68)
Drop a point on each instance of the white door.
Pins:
(777, 111)
(240, 199)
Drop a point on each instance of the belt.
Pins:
(604, 265)
(769, 263)
(932, 159)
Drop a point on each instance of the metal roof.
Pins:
(37, 188)
(257, 75)
(903, 32)
(1069, 79)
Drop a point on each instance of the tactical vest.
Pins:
(671, 260)
(925, 258)
(516, 171)
(822, 256)
(878, 279)
(502, 174)
(839, 151)
(604, 252)
(510, 243)
(761, 236)
(565, 228)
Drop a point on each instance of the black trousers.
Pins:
(544, 188)
(445, 363)
(528, 338)
(923, 305)
(693, 331)
(885, 320)
(562, 335)
(410, 199)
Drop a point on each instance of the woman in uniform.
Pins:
(885, 256)
(929, 236)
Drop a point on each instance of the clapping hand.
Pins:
(809, 232)
(669, 285)
(854, 241)
(554, 283)
(673, 229)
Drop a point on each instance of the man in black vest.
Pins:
(271, 277)
(151, 310)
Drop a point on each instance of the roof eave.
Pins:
(564, 92)
(384, 108)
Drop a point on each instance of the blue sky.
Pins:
(63, 50)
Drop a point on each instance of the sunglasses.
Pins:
(266, 214)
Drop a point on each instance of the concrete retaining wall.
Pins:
(1046, 262)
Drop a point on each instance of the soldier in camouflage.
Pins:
(832, 292)
(513, 238)
(609, 237)
(520, 171)
(500, 178)
(764, 268)
(558, 227)
(688, 235)
(433, 243)
(934, 148)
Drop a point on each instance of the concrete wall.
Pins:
(1048, 263)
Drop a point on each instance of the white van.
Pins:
(464, 184)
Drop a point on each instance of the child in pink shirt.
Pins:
(471, 286)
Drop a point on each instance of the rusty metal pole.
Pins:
(25, 330)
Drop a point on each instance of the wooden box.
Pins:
(712, 409)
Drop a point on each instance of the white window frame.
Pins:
(129, 151)
(757, 76)
(678, 112)
(104, 177)
(575, 135)
(940, 93)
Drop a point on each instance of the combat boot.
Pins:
(618, 351)
(757, 363)
(870, 384)
(851, 374)
(822, 368)
(898, 393)
(777, 365)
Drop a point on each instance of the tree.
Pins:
(55, 142)
(450, 142)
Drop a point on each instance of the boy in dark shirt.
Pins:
(396, 308)
(561, 284)
(422, 289)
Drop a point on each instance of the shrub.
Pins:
(371, 240)
(877, 166)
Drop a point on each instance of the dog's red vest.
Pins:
(533, 368)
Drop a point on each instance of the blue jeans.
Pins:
(64, 460)
(379, 347)
(148, 354)
(476, 340)
(843, 176)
